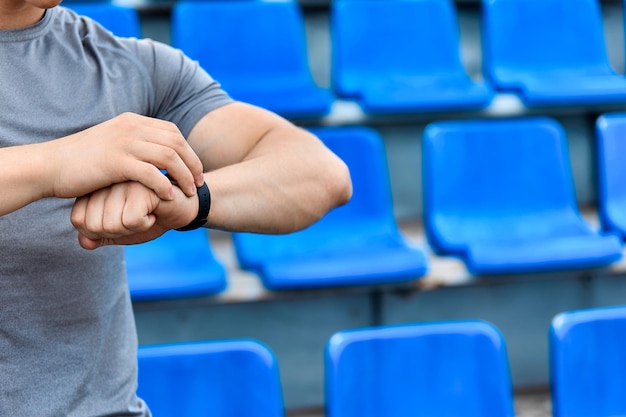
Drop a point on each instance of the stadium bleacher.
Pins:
(436, 369)
(384, 56)
(550, 53)
(175, 265)
(611, 202)
(357, 244)
(587, 362)
(499, 195)
(295, 322)
(265, 61)
(218, 378)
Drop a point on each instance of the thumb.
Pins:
(88, 243)
(142, 237)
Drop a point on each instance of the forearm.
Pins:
(287, 182)
(24, 176)
(128, 147)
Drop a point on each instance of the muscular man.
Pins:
(87, 123)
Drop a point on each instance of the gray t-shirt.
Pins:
(67, 335)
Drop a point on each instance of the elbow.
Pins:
(340, 184)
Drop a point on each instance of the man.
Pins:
(87, 123)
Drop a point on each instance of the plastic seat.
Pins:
(611, 146)
(257, 50)
(588, 363)
(499, 195)
(550, 52)
(123, 21)
(401, 56)
(231, 378)
(443, 369)
(356, 244)
(175, 265)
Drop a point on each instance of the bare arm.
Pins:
(128, 147)
(265, 174)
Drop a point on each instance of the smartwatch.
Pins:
(204, 206)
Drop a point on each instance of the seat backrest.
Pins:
(376, 39)
(486, 170)
(174, 265)
(363, 150)
(484, 167)
(216, 378)
(121, 20)
(444, 369)
(369, 211)
(539, 36)
(244, 44)
(611, 148)
(588, 363)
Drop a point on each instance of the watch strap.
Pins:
(204, 206)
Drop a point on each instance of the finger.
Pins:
(88, 243)
(98, 222)
(112, 212)
(77, 215)
(164, 157)
(137, 238)
(172, 137)
(151, 177)
(135, 223)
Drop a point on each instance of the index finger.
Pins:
(168, 134)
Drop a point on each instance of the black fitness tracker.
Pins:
(204, 206)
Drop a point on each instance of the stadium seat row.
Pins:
(393, 56)
(498, 194)
(442, 369)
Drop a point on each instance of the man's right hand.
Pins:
(128, 147)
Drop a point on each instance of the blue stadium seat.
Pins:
(231, 378)
(611, 148)
(356, 244)
(175, 265)
(550, 52)
(257, 50)
(123, 21)
(442, 369)
(499, 194)
(588, 363)
(401, 56)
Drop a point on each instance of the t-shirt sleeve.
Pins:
(183, 91)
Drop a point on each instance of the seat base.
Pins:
(175, 265)
(543, 255)
(567, 91)
(425, 96)
(384, 266)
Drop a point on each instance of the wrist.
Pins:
(43, 168)
(188, 212)
(203, 206)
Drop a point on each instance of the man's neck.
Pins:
(20, 16)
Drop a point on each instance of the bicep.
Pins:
(231, 133)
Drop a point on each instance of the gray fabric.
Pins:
(67, 336)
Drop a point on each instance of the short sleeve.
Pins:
(183, 91)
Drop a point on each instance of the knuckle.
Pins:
(169, 155)
(110, 226)
(132, 222)
(77, 220)
(131, 225)
(92, 226)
